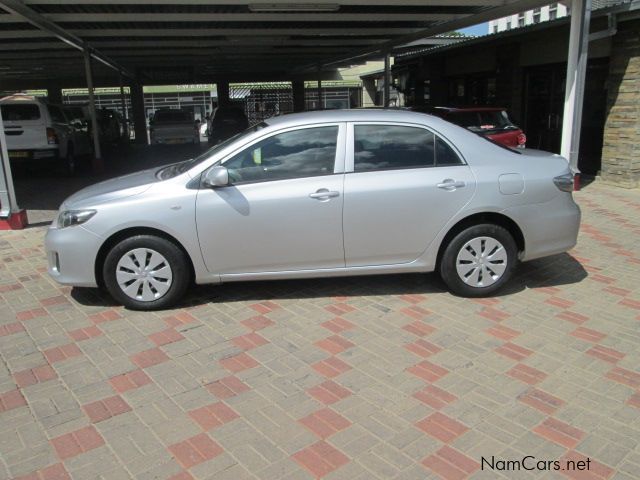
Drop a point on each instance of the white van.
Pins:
(38, 131)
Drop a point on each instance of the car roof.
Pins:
(354, 115)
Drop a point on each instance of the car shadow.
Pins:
(562, 269)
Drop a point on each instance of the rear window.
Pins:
(172, 116)
(480, 121)
(20, 112)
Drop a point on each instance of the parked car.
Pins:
(225, 122)
(39, 131)
(173, 126)
(113, 128)
(317, 194)
(491, 122)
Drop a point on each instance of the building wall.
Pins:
(621, 149)
(543, 14)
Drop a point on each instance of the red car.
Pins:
(490, 122)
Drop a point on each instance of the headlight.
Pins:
(69, 218)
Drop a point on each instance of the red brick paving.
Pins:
(249, 341)
(52, 472)
(85, 333)
(450, 464)
(129, 381)
(106, 408)
(527, 374)
(624, 376)
(541, 400)
(195, 450)
(31, 376)
(419, 328)
(513, 351)
(11, 399)
(328, 392)
(331, 367)
(165, 337)
(423, 348)
(338, 325)
(325, 422)
(257, 323)
(227, 387)
(559, 432)
(428, 371)
(212, 416)
(238, 363)
(435, 397)
(77, 442)
(58, 354)
(149, 358)
(320, 459)
(11, 328)
(442, 427)
(334, 344)
(588, 334)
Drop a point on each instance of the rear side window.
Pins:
(20, 112)
(385, 147)
(445, 156)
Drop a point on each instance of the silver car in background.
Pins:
(318, 194)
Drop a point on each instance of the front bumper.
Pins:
(71, 255)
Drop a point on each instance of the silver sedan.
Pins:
(320, 194)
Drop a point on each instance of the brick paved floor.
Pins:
(364, 378)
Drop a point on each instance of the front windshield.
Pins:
(179, 168)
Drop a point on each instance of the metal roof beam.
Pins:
(16, 7)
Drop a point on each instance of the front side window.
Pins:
(385, 147)
(301, 153)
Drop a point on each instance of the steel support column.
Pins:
(123, 101)
(386, 100)
(97, 163)
(576, 73)
(11, 217)
(319, 90)
(297, 87)
(222, 88)
(138, 113)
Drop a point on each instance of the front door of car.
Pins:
(283, 208)
(403, 183)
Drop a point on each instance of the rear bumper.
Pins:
(548, 228)
(71, 255)
(26, 154)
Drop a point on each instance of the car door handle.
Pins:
(324, 194)
(450, 184)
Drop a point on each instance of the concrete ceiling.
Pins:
(193, 41)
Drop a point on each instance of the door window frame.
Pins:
(349, 166)
(339, 161)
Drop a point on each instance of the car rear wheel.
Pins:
(479, 260)
(146, 272)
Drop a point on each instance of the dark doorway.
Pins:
(544, 105)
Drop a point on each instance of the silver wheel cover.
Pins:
(144, 274)
(481, 262)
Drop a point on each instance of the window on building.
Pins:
(553, 11)
(495, 28)
(508, 24)
(521, 20)
(536, 15)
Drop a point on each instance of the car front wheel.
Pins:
(145, 272)
(479, 260)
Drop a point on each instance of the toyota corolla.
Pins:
(319, 194)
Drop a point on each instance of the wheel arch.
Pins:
(120, 235)
(479, 218)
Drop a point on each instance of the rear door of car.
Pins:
(24, 125)
(403, 182)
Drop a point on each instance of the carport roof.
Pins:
(172, 41)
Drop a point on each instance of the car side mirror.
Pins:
(216, 177)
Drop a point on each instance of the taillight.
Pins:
(522, 139)
(52, 136)
(564, 182)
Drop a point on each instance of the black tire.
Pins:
(448, 262)
(175, 257)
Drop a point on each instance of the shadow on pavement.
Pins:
(553, 271)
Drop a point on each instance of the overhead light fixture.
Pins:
(294, 7)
